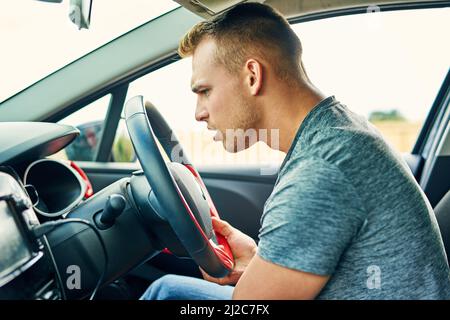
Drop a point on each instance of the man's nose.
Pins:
(201, 114)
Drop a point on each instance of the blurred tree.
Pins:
(123, 150)
(390, 115)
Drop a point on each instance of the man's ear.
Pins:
(254, 76)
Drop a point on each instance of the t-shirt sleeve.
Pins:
(310, 218)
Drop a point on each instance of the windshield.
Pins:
(37, 38)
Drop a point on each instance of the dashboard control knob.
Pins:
(113, 208)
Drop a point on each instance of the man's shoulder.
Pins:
(305, 177)
(340, 138)
(302, 164)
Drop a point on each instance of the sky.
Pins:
(381, 61)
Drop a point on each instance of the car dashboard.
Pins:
(26, 266)
(33, 190)
(55, 224)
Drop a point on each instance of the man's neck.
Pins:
(286, 112)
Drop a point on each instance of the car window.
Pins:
(122, 150)
(89, 120)
(385, 66)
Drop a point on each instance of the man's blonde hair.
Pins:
(249, 30)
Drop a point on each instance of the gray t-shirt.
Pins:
(346, 205)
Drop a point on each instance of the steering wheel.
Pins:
(183, 200)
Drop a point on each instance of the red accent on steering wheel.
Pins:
(224, 251)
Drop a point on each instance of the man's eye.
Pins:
(205, 92)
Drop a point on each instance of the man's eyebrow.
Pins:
(196, 88)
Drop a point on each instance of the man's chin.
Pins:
(234, 144)
(233, 147)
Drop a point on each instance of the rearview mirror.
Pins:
(80, 13)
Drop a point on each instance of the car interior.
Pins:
(123, 225)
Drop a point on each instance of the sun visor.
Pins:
(209, 8)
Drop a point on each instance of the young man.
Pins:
(346, 219)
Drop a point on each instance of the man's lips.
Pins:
(217, 136)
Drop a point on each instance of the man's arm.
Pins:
(266, 280)
(257, 278)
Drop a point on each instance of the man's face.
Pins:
(222, 100)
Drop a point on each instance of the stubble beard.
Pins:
(241, 132)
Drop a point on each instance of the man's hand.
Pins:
(242, 246)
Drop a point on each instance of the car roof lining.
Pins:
(289, 8)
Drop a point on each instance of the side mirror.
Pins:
(84, 147)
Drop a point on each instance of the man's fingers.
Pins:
(207, 277)
(222, 227)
